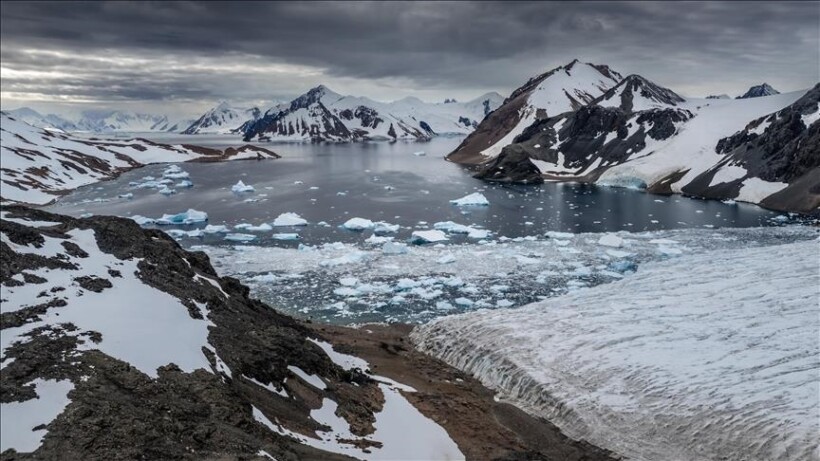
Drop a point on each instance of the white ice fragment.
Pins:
(285, 236)
(427, 236)
(392, 248)
(289, 219)
(186, 217)
(358, 224)
(240, 237)
(611, 240)
(474, 199)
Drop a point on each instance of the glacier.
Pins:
(710, 355)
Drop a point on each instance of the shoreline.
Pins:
(482, 427)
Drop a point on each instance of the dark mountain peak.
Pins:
(636, 93)
(758, 91)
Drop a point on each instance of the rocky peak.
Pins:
(636, 93)
(757, 91)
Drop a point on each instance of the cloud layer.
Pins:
(193, 54)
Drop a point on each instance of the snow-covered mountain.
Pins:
(50, 121)
(323, 115)
(223, 119)
(718, 96)
(758, 91)
(112, 121)
(172, 125)
(39, 165)
(639, 134)
(565, 88)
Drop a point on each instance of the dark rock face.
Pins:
(759, 90)
(787, 151)
(118, 412)
(512, 166)
(592, 135)
(636, 86)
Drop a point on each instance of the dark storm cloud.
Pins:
(175, 50)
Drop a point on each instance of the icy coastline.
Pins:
(706, 356)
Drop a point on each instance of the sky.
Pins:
(179, 58)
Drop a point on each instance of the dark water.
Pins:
(386, 182)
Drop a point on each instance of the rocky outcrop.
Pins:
(122, 410)
(758, 91)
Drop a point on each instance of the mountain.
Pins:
(223, 119)
(110, 121)
(641, 135)
(34, 118)
(323, 115)
(718, 96)
(635, 93)
(759, 91)
(563, 89)
(780, 150)
(39, 165)
(169, 125)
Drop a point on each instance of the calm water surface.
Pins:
(384, 181)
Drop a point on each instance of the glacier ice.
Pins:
(474, 199)
(186, 217)
(289, 219)
(241, 187)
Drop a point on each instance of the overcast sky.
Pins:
(184, 57)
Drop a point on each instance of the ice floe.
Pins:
(474, 199)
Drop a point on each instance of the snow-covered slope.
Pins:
(172, 125)
(37, 165)
(641, 135)
(708, 356)
(758, 91)
(323, 115)
(223, 119)
(560, 90)
(34, 118)
(118, 344)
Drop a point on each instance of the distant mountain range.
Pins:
(583, 122)
(318, 115)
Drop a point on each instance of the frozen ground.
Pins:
(711, 355)
(390, 282)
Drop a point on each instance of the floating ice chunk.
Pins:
(397, 299)
(444, 306)
(350, 258)
(289, 219)
(669, 250)
(623, 266)
(611, 240)
(285, 236)
(314, 188)
(378, 240)
(264, 227)
(298, 182)
(392, 248)
(209, 229)
(464, 302)
(166, 191)
(382, 227)
(240, 237)
(176, 175)
(186, 217)
(420, 153)
(323, 224)
(617, 253)
(185, 183)
(142, 220)
(663, 242)
(127, 196)
(474, 199)
(358, 224)
(196, 233)
(446, 259)
(348, 281)
(504, 303)
(559, 235)
(730, 202)
(427, 236)
(406, 284)
(346, 292)
(241, 187)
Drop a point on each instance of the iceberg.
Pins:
(285, 236)
(264, 227)
(240, 237)
(289, 219)
(474, 199)
(427, 236)
(611, 240)
(127, 196)
(241, 187)
(185, 183)
(186, 217)
(142, 220)
(166, 191)
(454, 228)
(209, 229)
(358, 224)
(392, 248)
(382, 227)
